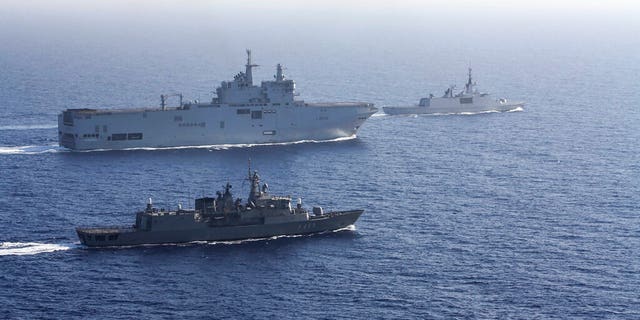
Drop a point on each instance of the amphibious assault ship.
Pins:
(470, 100)
(240, 113)
(221, 218)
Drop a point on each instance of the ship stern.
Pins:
(66, 132)
(105, 237)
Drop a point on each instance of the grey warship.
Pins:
(469, 100)
(221, 218)
(241, 113)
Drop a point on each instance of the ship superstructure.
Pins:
(241, 113)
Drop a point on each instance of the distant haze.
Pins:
(399, 44)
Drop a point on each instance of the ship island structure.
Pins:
(240, 113)
(221, 218)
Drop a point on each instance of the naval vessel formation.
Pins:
(241, 113)
(221, 218)
(469, 100)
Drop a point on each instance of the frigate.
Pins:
(469, 100)
(240, 113)
(221, 218)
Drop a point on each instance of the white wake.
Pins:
(29, 127)
(516, 109)
(31, 149)
(30, 248)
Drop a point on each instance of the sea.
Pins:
(528, 214)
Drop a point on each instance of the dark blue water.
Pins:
(527, 214)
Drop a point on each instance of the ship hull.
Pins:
(113, 237)
(453, 106)
(450, 110)
(209, 124)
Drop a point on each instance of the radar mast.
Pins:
(470, 84)
(248, 70)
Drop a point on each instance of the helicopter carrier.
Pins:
(240, 113)
(221, 218)
(469, 100)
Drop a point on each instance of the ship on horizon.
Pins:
(240, 113)
(469, 100)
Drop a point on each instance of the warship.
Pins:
(240, 113)
(469, 100)
(221, 218)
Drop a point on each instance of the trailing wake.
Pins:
(28, 127)
(31, 248)
(32, 149)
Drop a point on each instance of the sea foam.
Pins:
(31, 149)
(30, 248)
(28, 127)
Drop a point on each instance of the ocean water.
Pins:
(533, 213)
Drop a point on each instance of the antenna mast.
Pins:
(469, 86)
(248, 70)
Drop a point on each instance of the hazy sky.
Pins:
(286, 24)
(33, 17)
(146, 9)
(208, 38)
